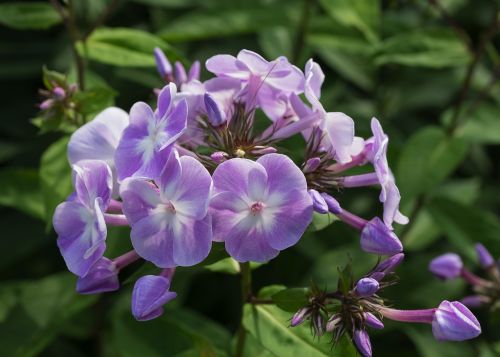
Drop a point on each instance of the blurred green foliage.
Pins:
(427, 69)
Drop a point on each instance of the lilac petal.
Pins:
(378, 239)
(93, 179)
(192, 196)
(285, 77)
(454, 322)
(98, 139)
(228, 201)
(255, 62)
(154, 247)
(150, 294)
(362, 341)
(81, 235)
(141, 114)
(170, 178)
(232, 175)
(176, 123)
(319, 203)
(139, 197)
(180, 73)
(447, 266)
(228, 66)
(332, 203)
(283, 175)
(102, 277)
(192, 244)
(246, 243)
(290, 221)
(223, 207)
(483, 256)
(257, 185)
(314, 77)
(165, 99)
(216, 117)
(340, 132)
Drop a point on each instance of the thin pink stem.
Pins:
(419, 316)
(115, 206)
(115, 219)
(126, 259)
(168, 273)
(473, 279)
(360, 180)
(352, 220)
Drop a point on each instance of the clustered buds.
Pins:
(486, 290)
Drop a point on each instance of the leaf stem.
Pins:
(246, 296)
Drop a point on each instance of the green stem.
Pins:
(246, 296)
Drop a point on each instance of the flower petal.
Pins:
(340, 132)
(93, 179)
(282, 174)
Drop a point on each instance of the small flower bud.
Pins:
(453, 321)
(377, 238)
(366, 287)
(194, 71)
(59, 93)
(311, 165)
(300, 316)
(377, 275)
(150, 293)
(483, 256)
(46, 104)
(264, 150)
(179, 73)
(362, 342)
(389, 264)
(216, 117)
(475, 301)
(162, 64)
(332, 203)
(102, 277)
(319, 204)
(219, 157)
(334, 321)
(446, 266)
(372, 321)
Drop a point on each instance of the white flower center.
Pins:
(256, 208)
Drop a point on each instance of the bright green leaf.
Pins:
(292, 299)
(483, 126)
(28, 15)
(20, 189)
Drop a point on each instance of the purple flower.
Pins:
(372, 321)
(377, 238)
(319, 202)
(366, 287)
(483, 256)
(102, 277)
(446, 266)
(454, 322)
(79, 222)
(390, 194)
(300, 316)
(259, 207)
(150, 293)
(216, 117)
(146, 143)
(389, 264)
(169, 220)
(362, 342)
(262, 81)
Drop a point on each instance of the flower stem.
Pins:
(115, 219)
(421, 316)
(246, 295)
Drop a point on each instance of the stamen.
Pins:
(256, 208)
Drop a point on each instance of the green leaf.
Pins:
(321, 221)
(428, 157)
(55, 177)
(466, 225)
(20, 189)
(425, 48)
(202, 25)
(483, 126)
(28, 15)
(124, 47)
(429, 347)
(226, 265)
(94, 100)
(292, 299)
(276, 41)
(360, 14)
(269, 325)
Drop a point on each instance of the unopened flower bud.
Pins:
(377, 238)
(194, 71)
(318, 324)
(332, 203)
(372, 321)
(319, 204)
(179, 73)
(311, 165)
(264, 150)
(333, 322)
(475, 301)
(446, 266)
(102, 277)
(300, 316)
(59, 93)
(453, 321)
(216, 117)
(366, 287)
(46, 104)
(483, 256)
(150, 293)
(377, 275)
(362, 342)
(389, 264)
(162, 64)
(219, 157)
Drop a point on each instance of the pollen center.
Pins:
(256, 208)
(169, 207)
